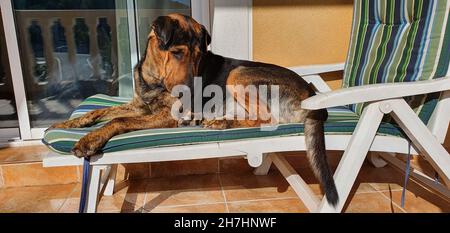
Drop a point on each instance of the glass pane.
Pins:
(71, 50)
(149, 10)
(8, 114)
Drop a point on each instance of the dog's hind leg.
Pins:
(293, 90)
(244, 94)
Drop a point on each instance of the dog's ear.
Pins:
(206, 39)
(164, 31)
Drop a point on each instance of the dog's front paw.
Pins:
(216, 124)
(60, 125)
(88, 145)
(74, 123)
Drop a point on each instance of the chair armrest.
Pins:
(375, 92)
(311, 73)
(317, 82)
(317, 69)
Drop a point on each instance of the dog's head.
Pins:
(175, 46)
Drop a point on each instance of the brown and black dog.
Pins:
(177, 50)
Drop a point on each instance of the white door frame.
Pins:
(10, 133)
(12, 48)
(200, 12)
(231, 28)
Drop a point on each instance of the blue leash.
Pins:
(407, 173)
(84, 185)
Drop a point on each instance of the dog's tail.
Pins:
(316, 153)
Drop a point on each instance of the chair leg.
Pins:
(418, 176)
(422, 138)
(93, 190)
(354, 156)
(300, 187)
(265, 166)
(109, 189)
(375, 159)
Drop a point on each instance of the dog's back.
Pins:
(228, 73)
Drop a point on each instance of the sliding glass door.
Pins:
(149, 10)
(70, 50)
(8, 112)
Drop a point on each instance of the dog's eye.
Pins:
(177, 53)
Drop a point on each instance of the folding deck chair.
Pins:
(397, 63)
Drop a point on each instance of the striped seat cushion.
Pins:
(399, 41)
(341, 121)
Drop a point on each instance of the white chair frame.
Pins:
(261, 153)
(382, 99)
(426, 140)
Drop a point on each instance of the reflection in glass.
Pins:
(81, 35)
(104, 41)
(149, 10)
(69, 51)
(73, 49)
(37, 45)
(59, 37)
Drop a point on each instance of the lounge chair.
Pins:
(397, 63)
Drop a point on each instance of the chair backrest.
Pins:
(399, 41)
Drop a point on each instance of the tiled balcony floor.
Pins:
(376, 190)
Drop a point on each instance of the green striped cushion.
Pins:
(399, 41)
(341, 121)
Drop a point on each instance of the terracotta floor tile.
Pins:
(291, 205)
(180, 168)
(22, 154)
(370, 203)
(30, 174)
(381, 179)
(375, 190)
(70, 205)
(298, 159)
(241, 187)
(240, 165)
(309, 177)
(133, 171)
(183, 190)
(2, 184)
(419, 200)
(247, 186)
(113, 212)
(34, 199)
(236, 165)
(209, 208)
(128, 197)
